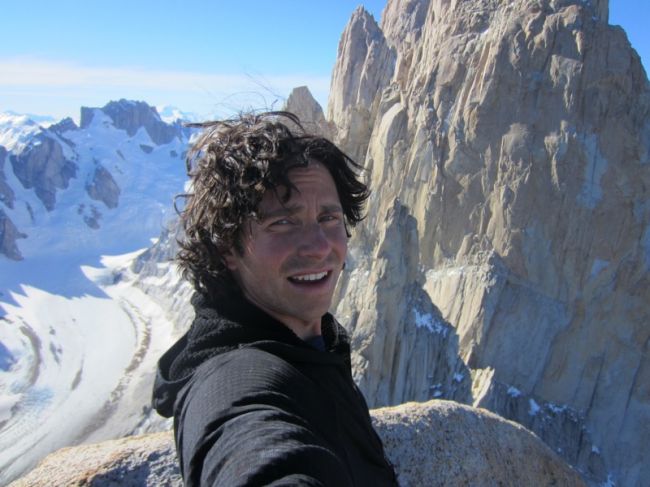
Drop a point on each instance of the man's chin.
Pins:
(310, 313)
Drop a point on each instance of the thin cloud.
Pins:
(29, 75)
(35, 72)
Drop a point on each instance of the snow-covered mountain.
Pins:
(172, 114)
(73, 189)
(78, 341)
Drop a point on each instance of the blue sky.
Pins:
(205, 57)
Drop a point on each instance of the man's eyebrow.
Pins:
(331, 209)
(281, 211)
(292, 210)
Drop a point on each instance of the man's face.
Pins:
(294, 253)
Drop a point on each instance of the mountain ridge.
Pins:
(103, 156)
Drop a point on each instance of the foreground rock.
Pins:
(433, 443)
(444, 443)
(133, 461)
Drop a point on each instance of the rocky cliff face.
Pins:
(43, 166)
(8, 231)
(102, 187)
(6, 193)
(158, 276)
(8, 236)
(304, 105)
(505, 259)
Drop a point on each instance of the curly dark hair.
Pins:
(230, 167)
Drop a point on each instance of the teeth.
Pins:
(310, 277)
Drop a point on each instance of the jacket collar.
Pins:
(231, 323)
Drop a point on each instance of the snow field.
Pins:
(75, 361)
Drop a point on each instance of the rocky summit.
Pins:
(505, 260)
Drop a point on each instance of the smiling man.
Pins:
(260, 387)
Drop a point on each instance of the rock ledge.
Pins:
(434, 443)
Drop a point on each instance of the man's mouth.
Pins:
(310, 278)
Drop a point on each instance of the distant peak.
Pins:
(361, 13)
(64, 125)
(127, 104)
(16, 118)
(172, 114)
(130, 115)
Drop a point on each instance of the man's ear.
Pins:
(230, 257)
(230, 260)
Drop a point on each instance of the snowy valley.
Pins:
(79, 337)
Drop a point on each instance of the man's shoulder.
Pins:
(247, 370)
(247, 379)
(241, 358)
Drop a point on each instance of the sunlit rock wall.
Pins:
(505, 259)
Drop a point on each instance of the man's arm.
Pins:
(249, 418)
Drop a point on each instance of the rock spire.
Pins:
(505, 259)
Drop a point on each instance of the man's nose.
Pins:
(314, 241)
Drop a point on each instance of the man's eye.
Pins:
(330, 218)
(281, 222)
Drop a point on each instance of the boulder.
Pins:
(146, 460)
(444, 443)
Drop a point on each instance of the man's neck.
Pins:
(303, 330)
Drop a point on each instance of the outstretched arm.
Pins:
(249, 418)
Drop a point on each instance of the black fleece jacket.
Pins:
(253, 404)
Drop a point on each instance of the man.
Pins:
(260, 387)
